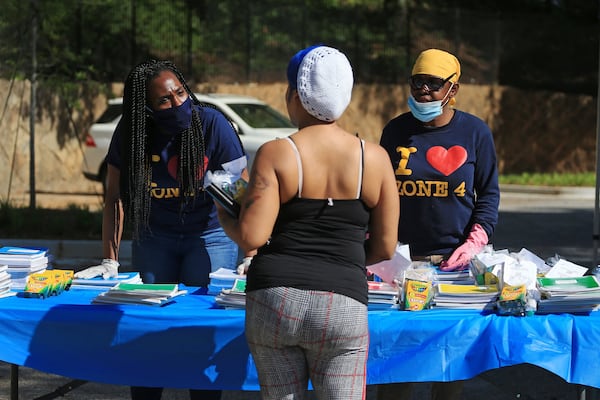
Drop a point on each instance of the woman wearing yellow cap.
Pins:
(444, 160)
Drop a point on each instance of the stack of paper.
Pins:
(21, 262)
(234, 297)
(5, 282)
(454, 277)
(152, 294)
(99, 283)
(448, 295)
(222, 278)
(569, 295)
(382, 295)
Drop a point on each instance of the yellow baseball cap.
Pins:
(438, 63)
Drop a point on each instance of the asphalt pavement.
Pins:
(525, 382)
(548, 222)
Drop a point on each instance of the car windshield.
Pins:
(260, 115)
(112, 112)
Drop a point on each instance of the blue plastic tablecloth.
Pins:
(192, 343)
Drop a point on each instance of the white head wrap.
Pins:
(325, 83)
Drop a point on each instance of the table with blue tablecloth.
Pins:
(193, 343)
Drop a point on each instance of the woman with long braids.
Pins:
(159, 153)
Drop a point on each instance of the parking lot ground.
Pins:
(524, 381)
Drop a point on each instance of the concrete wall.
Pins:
(534, 131)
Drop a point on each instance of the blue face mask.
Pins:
(174, 119)
(427, 111)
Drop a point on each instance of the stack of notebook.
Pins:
(99, 283)
(5, 282)
(234, 297)
(223, 278)
(568, 295)
(21, 262)
(454, 277)
(152, 294)
(382, 295)
(449, 295)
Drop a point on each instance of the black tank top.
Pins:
(316, 244)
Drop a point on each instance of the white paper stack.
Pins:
(382, 295)
(454, 277)
(223, 278)
(21, 262)
(99, 283)
(5, 282)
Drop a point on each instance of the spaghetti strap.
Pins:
(299, 163)
(360, 170)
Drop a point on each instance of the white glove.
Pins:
(243, 267)
(108, 269)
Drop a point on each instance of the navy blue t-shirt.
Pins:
(222, 146)
(447, 180)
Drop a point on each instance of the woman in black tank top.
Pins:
(311, 202)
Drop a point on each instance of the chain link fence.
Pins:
(242, 41)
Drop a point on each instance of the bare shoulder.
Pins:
(275, 155)
(272, 150)
(376, 156)
(378, 179)
(274, 146)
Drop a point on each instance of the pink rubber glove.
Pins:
(461, 257)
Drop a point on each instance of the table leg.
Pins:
(14, 382)
(61, 391)
(587, 393)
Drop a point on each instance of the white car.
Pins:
(255, 121)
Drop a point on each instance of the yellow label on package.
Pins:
(514, 293)
(417, 295)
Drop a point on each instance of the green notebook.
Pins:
(588, 282)
(147, 288)
(239, 285)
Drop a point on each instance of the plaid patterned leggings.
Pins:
(298, 334)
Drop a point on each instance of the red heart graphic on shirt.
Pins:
(446, 161)
(173, 165)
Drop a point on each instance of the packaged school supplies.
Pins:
(226, 188)
(417, 295)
